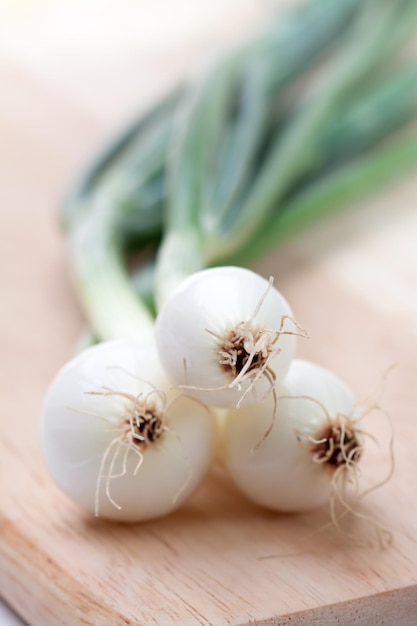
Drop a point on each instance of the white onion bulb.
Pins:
(114, 440)
(226, 335)
(291, 467)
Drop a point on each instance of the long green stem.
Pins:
(102, 281)
(131, 155)
(194, 210)
(273, 59)
(389, 103)
(293, 153)
(345, 185)
(284, 54)
(379, 29)
(117, 202)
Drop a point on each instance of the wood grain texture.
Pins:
(352, 284)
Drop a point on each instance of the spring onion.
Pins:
(311, 451)
(227, 335)
(214, 175)
(116, 438)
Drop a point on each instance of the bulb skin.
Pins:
(276, 470)
(204, 309)
(82, 445)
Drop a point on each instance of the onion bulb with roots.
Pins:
(117, 440)
(300, 451)
(227, 336)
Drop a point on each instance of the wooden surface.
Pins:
(70, 73)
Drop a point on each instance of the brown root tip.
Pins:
(336, 445)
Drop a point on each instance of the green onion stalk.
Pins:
(298, 122)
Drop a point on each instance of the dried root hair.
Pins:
(133, 434)
(341, 448)
(250, 351)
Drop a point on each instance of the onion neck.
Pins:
(179, 256)
(102, 281)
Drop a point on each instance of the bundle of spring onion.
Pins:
(291, 126)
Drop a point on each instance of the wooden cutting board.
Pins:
(70, 73)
